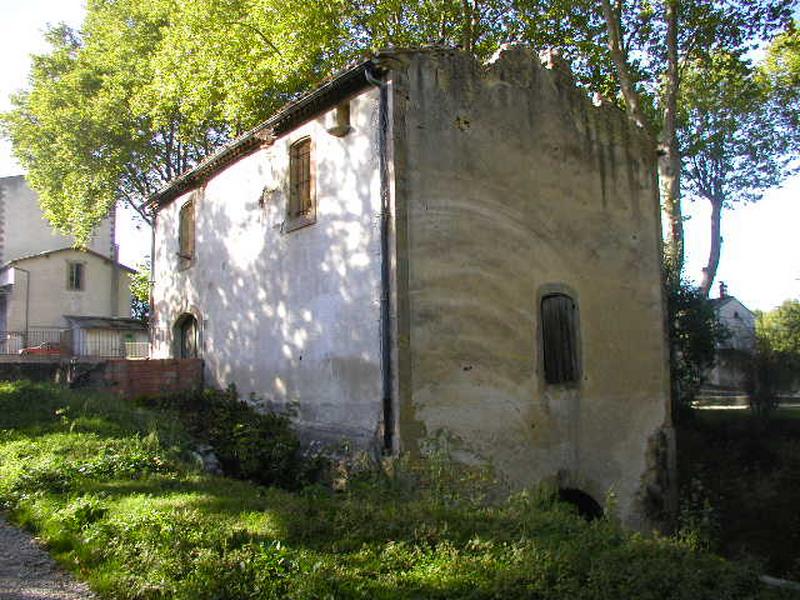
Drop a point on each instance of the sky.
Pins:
(761, 244)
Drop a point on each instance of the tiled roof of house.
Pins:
(58, 250)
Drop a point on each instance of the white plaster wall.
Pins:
(50, 299)
(25, 231)
(291, 318)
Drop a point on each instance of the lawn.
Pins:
(119, 499)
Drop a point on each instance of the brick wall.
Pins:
(131, 378)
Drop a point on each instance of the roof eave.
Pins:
(306, 107)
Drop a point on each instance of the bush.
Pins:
(694, 333)
(777, 361)
(260, 447)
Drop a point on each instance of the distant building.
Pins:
(44, 280)
(732, 368)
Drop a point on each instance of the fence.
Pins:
(54, 343)
(36, 340)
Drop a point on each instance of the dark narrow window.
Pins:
(186, 233)
(75, 276)
(186, 345)
(300, 198)
(560, 339)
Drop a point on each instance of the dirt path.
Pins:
(28, 573)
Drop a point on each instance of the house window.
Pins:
(186, 234)
(559, 321)
(300, 209)
(76, 276)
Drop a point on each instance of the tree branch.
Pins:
(620, 60)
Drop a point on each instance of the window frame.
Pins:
(187, 236)
(576, 358)
(297, 217)
(79, 266)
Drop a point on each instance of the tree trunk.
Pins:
(669, 164)
(469, 16)
(710, 270)
(669, 161)
(620, 60)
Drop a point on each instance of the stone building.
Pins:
(44, 280)
(426, 248)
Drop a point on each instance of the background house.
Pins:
(43, 278)
(733, 364)
(428, 251)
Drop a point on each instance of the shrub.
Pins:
(694, 333)
(260, 447)
(777, 361)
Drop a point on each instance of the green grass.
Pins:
(113, 492)
(747, 472)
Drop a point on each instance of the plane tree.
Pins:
(147, 88)
(733, 140)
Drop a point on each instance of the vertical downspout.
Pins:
(27, 303)
(152, 282)
(114, 253)
(386, 324)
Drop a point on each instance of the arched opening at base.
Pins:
(586, 506)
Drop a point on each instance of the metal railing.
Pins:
(55, 343)
(137, 349)
(34, 340)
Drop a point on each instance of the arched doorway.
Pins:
(186, 337)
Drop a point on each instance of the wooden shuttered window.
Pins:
(300, 196)
(559, 317)
(186, 232)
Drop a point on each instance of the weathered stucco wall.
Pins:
(289, 317)
(50, 299)
(24, 230)
(510, 183)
